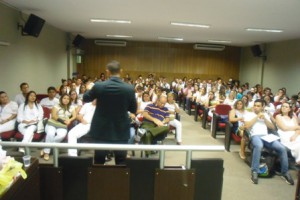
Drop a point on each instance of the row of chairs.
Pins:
(216, 122)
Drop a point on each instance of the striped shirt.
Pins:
(156, 112)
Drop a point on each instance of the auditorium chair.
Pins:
(199, 109)
(39, 97)
(37, 137)
(8, 135)
(230, 135)
(220, 117)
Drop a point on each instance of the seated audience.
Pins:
(82, 90)
(62, 90)
(269, 107)
(279, 96)
(8, 113)
(51, 100)
(230, 100)
(84, 117)
(236, 117)
(29, 114)
(64, 113)
(211, 103)
(75, 101)
(289, 130)
(173, 108)
(141, 107)
(258, 122)
(156, 119)
(20, 98)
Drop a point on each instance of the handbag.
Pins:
(56, 124)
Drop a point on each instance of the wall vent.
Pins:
(118, 43)
(209, 47)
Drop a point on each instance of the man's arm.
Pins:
(268, 122)
(89, 95)
(250, 123)
(152, 119)
(132, 104)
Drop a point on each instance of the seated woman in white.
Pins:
(8, 113)
(63, 112)
(29, 114)
(82, 90)
(202, 98)
(230, 100)
(75, 101)
(269, 107)
(141, 107)
(211, 103)
(85, 117)
(289, 130)
(173, 110)
(236, 117)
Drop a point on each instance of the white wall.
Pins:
(281, 69)
(41, 62)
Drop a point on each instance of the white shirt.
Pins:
(36, 113)
(171, 107)
(259, 127)
(46, 102)
(19, 99)
(87, 111)
(8, 110)
(144, 104)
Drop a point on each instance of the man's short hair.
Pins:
(263, 102)
(51, 88)
(113, 67)
(22, 84)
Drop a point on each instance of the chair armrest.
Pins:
(228, 130)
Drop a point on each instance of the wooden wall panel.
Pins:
(164, 59)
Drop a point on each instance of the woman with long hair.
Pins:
(64, 113)
(236, 117)
(29, 114)
(174, 121)
(75, 101)
(289, 130)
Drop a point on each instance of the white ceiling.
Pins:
(151, 19)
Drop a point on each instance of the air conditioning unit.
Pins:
(209, 47)
(117, 43)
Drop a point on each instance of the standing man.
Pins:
(258, 122)
(110, 123)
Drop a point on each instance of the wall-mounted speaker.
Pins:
(33, 25)
(78, 40)
(256, 51)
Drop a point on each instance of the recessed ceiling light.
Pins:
(170, 38)
(111, 21)
(219, 41)
(264, 30)
(190, 24)
(119, 36)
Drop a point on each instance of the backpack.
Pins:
(267, 166)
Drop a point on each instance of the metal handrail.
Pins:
(91, 146)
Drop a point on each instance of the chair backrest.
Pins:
(47, 112)
(276, 104)
(39, 97)
(222, 109)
